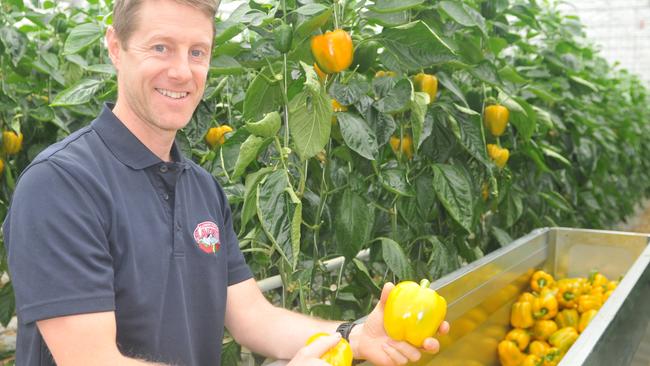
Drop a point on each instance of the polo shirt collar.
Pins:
(126, 147)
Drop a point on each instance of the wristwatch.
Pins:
(345, 329)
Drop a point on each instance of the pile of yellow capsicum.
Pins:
(548, 319)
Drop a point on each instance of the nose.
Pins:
(180, 69)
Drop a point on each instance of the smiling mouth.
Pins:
(172, 94)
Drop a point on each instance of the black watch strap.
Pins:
(345, 329)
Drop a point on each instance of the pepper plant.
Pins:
(373, 137)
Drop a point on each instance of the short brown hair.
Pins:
(125, 13)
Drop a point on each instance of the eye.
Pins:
(159, 48)
(197, 53)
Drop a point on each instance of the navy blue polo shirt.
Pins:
(99, 223)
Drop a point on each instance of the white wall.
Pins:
(620, 27)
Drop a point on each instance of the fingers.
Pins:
(431, 345)
(388, 286)
(319, 346)
(444, 328)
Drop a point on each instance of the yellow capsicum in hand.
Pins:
(413, 312)
(339, 355)
(333, 51)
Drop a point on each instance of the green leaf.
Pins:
(395, 258)
(502, 237)
(226, 30)
(357, 135)
(443, 258)
(388, 19)
(556, 200)
(522, 116)
(310, 115)
(311, 9)
(15, 42)
(7, 304)
(454, 190)
(248, 153)
(348, 94)
(102, 69)
(463, 14)
(230, 353)
(267, 126)
(413, 46)
(365, 277)
(584, 82)
(249, 208)
(225, 65)
(513, 207)
(449, 84)
(394, 180)
(398, 98)
(485, 71)
(276, 212)
(471, 135)
(419, 106)
(509, 74)
(81, 37)
(78, 94)
(311, 23)
(393, 6)
(353, 223)
(263, 95)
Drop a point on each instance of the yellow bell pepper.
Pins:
(521, 315)
(526, 297)
(12, 142)
(531, 360)
(498, 154)
(520, 336)
(585, 319)
(606, 295)
(543, 329)
(541, 279)
(337, 107)
(217, 135)
(568, 291)
(339, 355)
(384, 73)
(552, 357)
(545, 305)
(2, 166)
(611, 285)
(333, 51)
(496, 119)
(563, 338)
(568, 318)
(426, 83)
(413, 312)
(589, 302)
(321, 75)
(406, 146)
(538, 348)
(509, 354)
(597, 279)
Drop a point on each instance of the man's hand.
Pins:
(310, 355)
(369, 340)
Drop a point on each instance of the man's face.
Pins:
(163, 71)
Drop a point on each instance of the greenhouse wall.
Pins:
(621, 29)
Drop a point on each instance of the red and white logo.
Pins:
(206, 236)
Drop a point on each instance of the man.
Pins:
(122, 251)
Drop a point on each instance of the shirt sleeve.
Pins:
(58, 252)
(238, 270)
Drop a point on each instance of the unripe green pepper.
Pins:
(413, 312)
(283, 35)
(365, 55)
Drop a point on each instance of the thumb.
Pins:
(321, 345)
(388, 287)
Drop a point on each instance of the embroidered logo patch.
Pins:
(206, 236)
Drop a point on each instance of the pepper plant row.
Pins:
(429, 132)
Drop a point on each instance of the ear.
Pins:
(114, 47)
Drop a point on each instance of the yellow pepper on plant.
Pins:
(12, 142)
(217, 135)
(500, 155)
(384, 73)
(413, 312)
(426, 83)
(496, 119)
(405, 145)
(332, 51)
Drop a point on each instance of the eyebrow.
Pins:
(159, 37)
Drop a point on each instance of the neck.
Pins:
(156, 139)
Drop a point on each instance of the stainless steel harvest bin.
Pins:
(480, 295)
